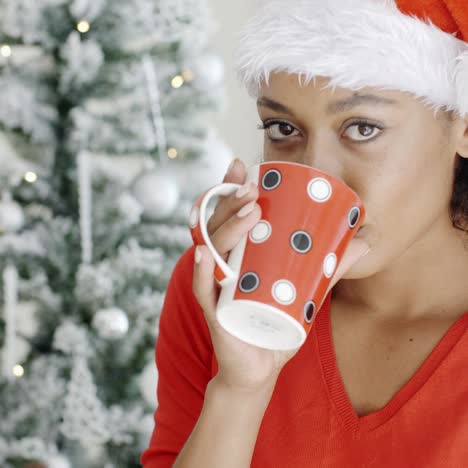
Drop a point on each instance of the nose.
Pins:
(325, 157)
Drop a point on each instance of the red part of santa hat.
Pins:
(416, 46)
(449, 15)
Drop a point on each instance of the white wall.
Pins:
(238, 124)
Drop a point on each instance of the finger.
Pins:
(237, 174)
(229, 206)
(354, 251)
(204, 283)
(232, 231)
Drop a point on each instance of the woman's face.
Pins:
(388, 147)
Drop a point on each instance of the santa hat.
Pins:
(417, 46)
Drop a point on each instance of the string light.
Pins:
(177, 81)
(83, 26)
(172, 153)
(18, 371)
(30, 177)
(5, 50)
(187, 75)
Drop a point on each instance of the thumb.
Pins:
(356, 249)
(204, 287)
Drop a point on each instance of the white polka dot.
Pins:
(329, 265)
(194, 217)
(320, 190)
(284, 292)
(260, 232)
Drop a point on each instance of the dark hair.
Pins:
(459, 202)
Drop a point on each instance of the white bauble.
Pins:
(208, 71)
(111, 323)
(57, 461)
(217, 157)
(207, 171)
(158, 193)
(11, 216)
(147, 384)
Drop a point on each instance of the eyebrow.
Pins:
(334, 107)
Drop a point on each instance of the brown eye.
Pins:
(365, 130)
(285, 129)
(279, 131)
(362, 132)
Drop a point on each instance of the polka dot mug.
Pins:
(276, 278)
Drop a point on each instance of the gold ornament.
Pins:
(83, 26)
(177, 81)
(30, 177)
(172, 153)
(18, 371)
(5, 51)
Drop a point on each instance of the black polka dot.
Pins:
(271, 179)
(309, 311)
(353, 216)
(249, 282)
(301, 242)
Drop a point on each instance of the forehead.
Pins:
(287, 86)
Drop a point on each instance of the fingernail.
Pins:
(247, 209)
(233, 163)
(244, 190)
(198, 254)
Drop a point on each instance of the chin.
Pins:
(361, 269)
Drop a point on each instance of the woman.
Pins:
(371, 92)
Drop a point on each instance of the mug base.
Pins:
(261, 325)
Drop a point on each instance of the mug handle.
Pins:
(223, 273)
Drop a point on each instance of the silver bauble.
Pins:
(208, 170)
(11, 216)
(158, 193)
(208, 71)
(111, 323)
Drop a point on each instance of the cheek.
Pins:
(403, 200)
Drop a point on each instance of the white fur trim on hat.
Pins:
(356, 43)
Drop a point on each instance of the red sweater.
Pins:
(310, 421)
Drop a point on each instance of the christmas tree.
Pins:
(104, 146)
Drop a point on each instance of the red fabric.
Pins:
(449, 15)
(310, 421)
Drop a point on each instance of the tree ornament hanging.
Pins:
(158, 193)
(208, 71)
(111, 324)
